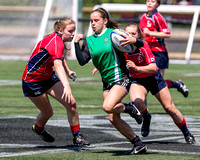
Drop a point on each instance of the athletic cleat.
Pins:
(138, 147)
(183, 89)
(45, 136)
(146, 126)
(189, 138)
(135, 113)
(80, 140)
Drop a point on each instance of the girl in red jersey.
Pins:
(39, 80)
(146, 77)
(155, 28)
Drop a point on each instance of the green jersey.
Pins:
(110, 63)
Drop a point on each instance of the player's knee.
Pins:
(170, 109)
(107, 108)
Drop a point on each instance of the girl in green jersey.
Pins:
(111, 65)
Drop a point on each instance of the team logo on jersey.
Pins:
(152, 59)
(106, 39)
(148, 23)
(140, 59)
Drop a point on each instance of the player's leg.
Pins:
(179, 85)
(112, 103)
(72, 113)
(165, 99)
(138, 95)
(126, 130)
(46, 112)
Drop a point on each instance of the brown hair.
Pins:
(105, 14)
(159, 2)
(138, 29)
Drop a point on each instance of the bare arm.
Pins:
(156, 34)
(60, 70)
(151, 68)
(70, 73)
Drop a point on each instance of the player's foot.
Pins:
(80, 140)
(146, 126)
(138, 147)
(183, 88)
(45, 136)
(135, 113)
(189, 138)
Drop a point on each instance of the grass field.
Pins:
(87, 91)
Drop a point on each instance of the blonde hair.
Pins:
(62, 23)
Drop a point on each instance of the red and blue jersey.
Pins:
(155, 23)
(141, 57)
(40, 64)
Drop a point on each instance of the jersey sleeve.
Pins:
(149, 57)
(161, 24)
(82, 54)
(56, 48)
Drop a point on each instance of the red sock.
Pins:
(75, 129)
(169, 84)
(183, 127)
(38, 127)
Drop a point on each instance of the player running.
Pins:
(146, 78)
(155, 28)
(39, 80)
(111, 65)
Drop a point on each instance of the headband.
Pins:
(99, 9)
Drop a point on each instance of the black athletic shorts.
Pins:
(125, 83)
(34, 89)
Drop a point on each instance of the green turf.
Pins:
(104, 155)
(90, 95)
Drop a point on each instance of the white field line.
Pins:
(98, 146)
(82, 79)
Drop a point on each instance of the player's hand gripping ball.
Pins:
(116, 35)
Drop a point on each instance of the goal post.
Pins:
(168, 9)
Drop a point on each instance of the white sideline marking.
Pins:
(165, 127)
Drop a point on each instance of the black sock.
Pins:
(136, 141)
(128, 108)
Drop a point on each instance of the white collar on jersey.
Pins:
(98, 35)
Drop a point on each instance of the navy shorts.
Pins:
(125, 83)
(153, 83)
(34, 89)
(162, 59)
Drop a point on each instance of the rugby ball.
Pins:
(116, 36)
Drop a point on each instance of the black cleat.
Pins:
(80, 140)
(183, 88)
(135, 113)
(138, 147)
(189, 138)
(146, 126)
(45, 136)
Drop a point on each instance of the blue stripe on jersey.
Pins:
(38, 60)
